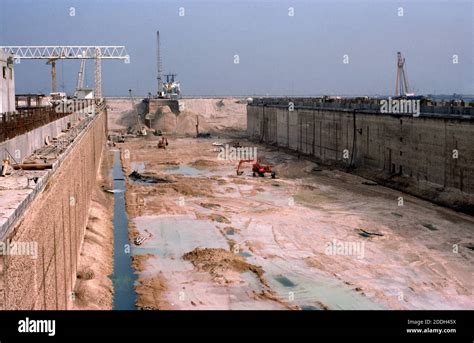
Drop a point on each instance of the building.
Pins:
(7, 83)
(84, 93)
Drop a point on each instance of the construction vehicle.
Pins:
(257, 168)
(163, 143)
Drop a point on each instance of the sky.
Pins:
(278, 54)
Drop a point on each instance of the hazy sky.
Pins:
(279, 54)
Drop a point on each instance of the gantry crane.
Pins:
(54, 53)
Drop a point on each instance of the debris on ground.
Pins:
(430, 227)
(136, 176)
(219, 218)
(218, 262)
(370, 183)
(368, 234)
(209, 205)
(139, 240)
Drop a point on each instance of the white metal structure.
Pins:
(158, 65)
(81, 75)
(66, 52)
(401, 85)
(7, 83)
(53, 53)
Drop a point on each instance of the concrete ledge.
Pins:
(6, 225)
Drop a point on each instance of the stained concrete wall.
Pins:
(24, 145)
(56, 221)
(414, 154)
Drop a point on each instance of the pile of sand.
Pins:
(295, 169)
(220, 263)
(228, 108)
(150, 290)
(125, 115)
(164, 119)
(187, 123)
(215, 115)
(183, 123)
(93, 287)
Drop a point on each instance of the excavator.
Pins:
(257, 168)
(163, 143)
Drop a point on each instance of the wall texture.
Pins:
(56, 221)
(413, 154)
(24, 145)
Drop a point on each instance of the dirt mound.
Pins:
(217, 114)
(296, 169)
(216, 108)
(220, 263)
(214, 115)
(150, 290)
(183, 123)
(218, 218)
(164, 120)
(187, 123)
(122, 114)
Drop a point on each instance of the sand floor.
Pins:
(310, 239)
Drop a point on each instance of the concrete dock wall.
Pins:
(24, 145)
(55, 221)
(428, 156)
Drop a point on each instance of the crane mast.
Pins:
(81, 75)
(158, 65)
(401, 85)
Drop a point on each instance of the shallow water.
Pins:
(185, 170)
(123, 277)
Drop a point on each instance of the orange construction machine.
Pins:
(257, 168)
(163, 143)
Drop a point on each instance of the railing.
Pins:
(13, 124)
(437, 109)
